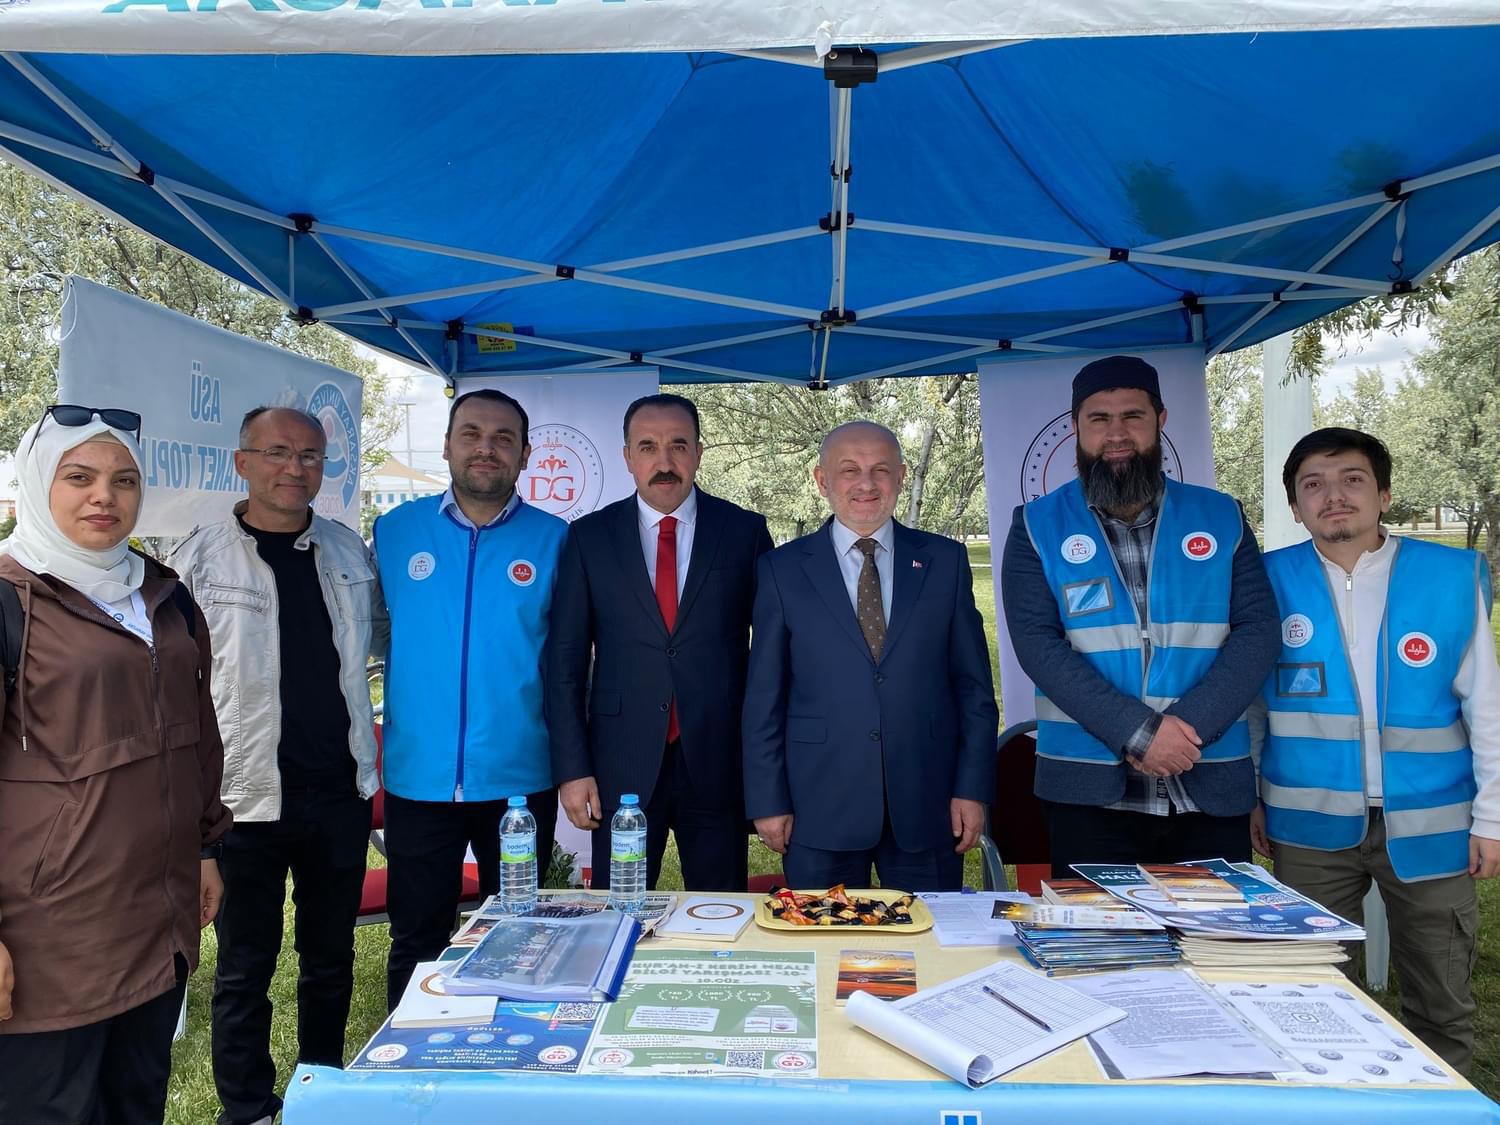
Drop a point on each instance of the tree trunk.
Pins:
(1492, 538)
(919, 475)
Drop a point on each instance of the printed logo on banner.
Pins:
(1051, 458)
(420, 566)
(328, 405)
(1199, 545)
(1078, 549)
(522, 572)
(960, 1117)
(565, 475)
(1417, 649)
(1296, 630)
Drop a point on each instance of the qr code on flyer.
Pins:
(576, 1011)
(1307, 1021)
(745, 1060)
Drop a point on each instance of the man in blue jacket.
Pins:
(1139, 607)
(468, 580)
(870, 718)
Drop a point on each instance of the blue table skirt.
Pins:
(319, 1094)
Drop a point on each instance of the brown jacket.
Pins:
(110, 763)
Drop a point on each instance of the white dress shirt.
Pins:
(852, 561)
(686, 515)
(1359, 598)
(449, 505)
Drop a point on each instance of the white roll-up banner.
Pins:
(1029, 450)
(192, 383)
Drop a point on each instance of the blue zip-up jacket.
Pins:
(463, 678)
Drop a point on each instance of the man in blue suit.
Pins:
(657, 590)
(870, 718)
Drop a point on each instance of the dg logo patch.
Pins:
(1416, 649)
(1078, 549)
(522, 572)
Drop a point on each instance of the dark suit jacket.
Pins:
(832, 737)
(604, 607)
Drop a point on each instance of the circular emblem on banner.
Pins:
(557, 1054)
(522, 573)
(1199, 545)
(1078, 549)
(791, 1060)
(328, 405)
(565, 475)
(1417, 649)
(1296, 630)
(613, 1057)
(387, 1052)
(420, 566)
(1051, 458)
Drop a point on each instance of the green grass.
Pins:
(194, 1102)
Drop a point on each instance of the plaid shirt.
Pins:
(1130, 543)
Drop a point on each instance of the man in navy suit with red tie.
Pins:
(870, 717)
(657, 590)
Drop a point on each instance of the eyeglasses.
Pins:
(281, 455)
(66, 414)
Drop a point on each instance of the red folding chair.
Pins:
(1015, 829)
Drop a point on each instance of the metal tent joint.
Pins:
(303, 316)
(1003, 345)
(848, 67)
(1395, 191)
(454, 330)
(302, 221)
(1119, 254)
(565, 272)
(834, 220)
(146, 175)
(1401, 287)
(837, 318)
(833, 171)
(1191, 303)
(636, 357)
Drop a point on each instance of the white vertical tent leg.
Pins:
(1288, 416)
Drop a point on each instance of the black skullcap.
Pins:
(1115, 372)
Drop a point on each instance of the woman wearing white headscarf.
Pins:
(110, 764)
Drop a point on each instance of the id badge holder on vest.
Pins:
(1093, 595)
(1301, 681)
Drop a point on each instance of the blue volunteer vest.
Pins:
(463, 679)
(1156, 661)
(1313, 765)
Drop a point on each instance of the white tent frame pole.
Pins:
(291, 268)
(1368, 224)
(897, 369)
(937, 52)
(14, 132)
(1099, 322)
(359, 283)
(664, 354)
(981, 287)
(1442, 260)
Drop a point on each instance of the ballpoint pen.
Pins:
(1013, 1006)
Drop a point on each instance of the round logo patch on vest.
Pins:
(1199, 545)
(1417, 650)
(1078, 549)
(420, 566)
(522, 573)
(1296, 630)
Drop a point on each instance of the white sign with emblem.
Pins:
(1030, 450)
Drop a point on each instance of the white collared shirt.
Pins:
(449, 506)
(686, 515)
(852, 561)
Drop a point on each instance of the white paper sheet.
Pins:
(964, 919)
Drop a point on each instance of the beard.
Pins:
(478, 486)
(1123, 486)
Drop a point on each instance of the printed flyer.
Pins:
(710, 1012)
(549, 1038)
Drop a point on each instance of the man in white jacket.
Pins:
(1381, 728)
(289, 598)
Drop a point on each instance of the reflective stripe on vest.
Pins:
(1312, 767)
(1196, 535)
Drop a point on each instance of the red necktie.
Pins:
(666, 593)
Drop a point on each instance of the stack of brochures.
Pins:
(1225, 915)
(531, 958)
(1072, 939)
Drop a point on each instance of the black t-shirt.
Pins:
(314, 748)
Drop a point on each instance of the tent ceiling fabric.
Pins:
(486, 214)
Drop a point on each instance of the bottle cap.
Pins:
(629, 799)
(516, 803)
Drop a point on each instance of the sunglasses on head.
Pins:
(66, 414)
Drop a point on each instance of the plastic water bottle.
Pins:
(517, 858)
(627, 856)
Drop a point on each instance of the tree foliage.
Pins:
(45, 235)
(1238, 424)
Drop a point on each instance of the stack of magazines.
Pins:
(1227, 915)
(1075, 939)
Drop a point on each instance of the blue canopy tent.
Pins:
(771, 210)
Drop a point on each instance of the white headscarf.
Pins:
(38, 543)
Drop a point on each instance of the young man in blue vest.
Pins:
(1140, 609)
(468, 582)
(1381, 721)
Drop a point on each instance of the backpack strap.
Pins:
(12, 629)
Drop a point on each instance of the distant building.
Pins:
(394, 483)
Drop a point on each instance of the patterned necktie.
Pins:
(869, 608)
(666, 593)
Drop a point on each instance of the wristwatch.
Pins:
(212, 851)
